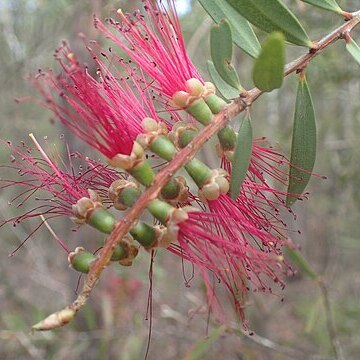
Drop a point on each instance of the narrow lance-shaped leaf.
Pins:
(242, 32)
(272, 15)
(325, 4)
(303, 149)
(242, 156)
(353, 48)
(268, 72)
(303, 265)
(221, 53)
(224, 88)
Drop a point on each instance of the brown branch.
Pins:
(186, 154)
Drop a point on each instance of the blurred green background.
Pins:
(37, 281)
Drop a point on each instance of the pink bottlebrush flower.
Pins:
(154, 41)
(106, 112)
(238, 244)
(54, 183)
(254, 216)
(130, 105)
(82, 104)
(260, 197)
(253, 222)
(232, 253)
(156, 44)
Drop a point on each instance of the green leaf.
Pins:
(243, 34)
(224, 88)
(272, 15)
(353, 48)
(242, 156)
(221, 53)
(268, 72)
(303, 149)
(313, 316)
(325, 4)
(203, 346)
(303, 265)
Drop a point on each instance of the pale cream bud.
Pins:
(194, 87)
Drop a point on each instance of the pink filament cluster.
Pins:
(261, 199)
(83, 104)
(233, 253)
(155, 43)
(105, 111)
(237, 242)
(53, 182)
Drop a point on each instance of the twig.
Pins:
(186, 154)
(284, 350)
(330, 323)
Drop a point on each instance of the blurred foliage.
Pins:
(36, 282)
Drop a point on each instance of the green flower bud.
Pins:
(200, 111)
(123, 193)
(227, 138)
(120, 252)
(102, 220)
(144, 234)
(175, 191)
(215, 103)
(91, 211)
(80, 260)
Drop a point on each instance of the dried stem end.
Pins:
(55, 320)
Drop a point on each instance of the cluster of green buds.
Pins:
(211, 182)
(125, 193)
(200, 101)
(124, 253)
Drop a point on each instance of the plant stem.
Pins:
(330, 323)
